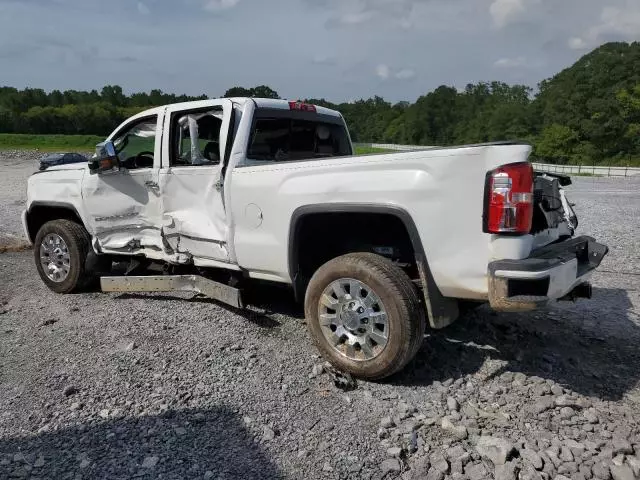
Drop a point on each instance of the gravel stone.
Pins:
(566, 455)
(532, 457)
(387, 422)
(542, 405)
(452, 404)
(622, 472)
(591, 415)
(529, 473)
(438, 462)
(476, 471)
(621, 445)
(149, 462)
(268, 433)
(394, 451)
(390, 465)
(455, 452)
(634, 463)
(601, 470)
(567, 412)
(495, 449)
(459, 432)
(506, 471)
(317, 370)
(456, 466)
(435, 474)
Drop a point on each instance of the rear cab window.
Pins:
(279, 135)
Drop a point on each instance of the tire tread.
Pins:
(401, 287)
(79, 239)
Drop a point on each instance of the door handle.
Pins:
(151, 184)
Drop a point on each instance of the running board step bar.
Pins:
(171, 283)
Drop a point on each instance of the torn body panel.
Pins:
(191, 181)
(193, 213)
(124, 211)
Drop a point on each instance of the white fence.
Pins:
(602, 171)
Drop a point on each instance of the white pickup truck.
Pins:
(219, 192)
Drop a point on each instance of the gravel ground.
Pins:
(15, 168)
(121, 386)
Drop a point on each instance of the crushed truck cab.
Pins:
(207, 196)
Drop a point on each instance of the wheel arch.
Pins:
(441, 311)
(40, 212)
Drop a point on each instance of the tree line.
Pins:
(588, 113)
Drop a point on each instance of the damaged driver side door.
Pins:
(191, 180)
(123, 203)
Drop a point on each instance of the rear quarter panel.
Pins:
(441, 189)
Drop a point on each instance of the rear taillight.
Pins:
(508, 204)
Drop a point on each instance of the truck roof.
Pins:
(260, 103)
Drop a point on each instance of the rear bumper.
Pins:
(550, 273)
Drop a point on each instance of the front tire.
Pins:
(365, 315)
(61, 248)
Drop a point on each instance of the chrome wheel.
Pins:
(353, 319)
(55, 258)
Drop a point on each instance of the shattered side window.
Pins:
(197, 139)
(135, 145)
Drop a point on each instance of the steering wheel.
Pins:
(144, 160)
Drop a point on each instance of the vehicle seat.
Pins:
(212, 152)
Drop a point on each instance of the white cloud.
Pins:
(396, 13)
(382, 71)
(405, 74)
(385, 72)
(504, 11)
(143, 9)
(577, 43)
(356, 18)
(621, 22)
(219, 5)
(322, 59)
(511, 62)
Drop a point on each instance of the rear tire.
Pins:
(60, 249)
(370, 348)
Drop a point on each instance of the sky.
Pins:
(340, 50)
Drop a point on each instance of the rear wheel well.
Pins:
(40, 214)
(319, 237)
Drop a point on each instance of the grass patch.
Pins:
(584, 174)
(361, 150)
(49, 143)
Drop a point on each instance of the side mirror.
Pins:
(105, 159)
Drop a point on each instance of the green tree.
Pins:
(556, 144)
(261, 91)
